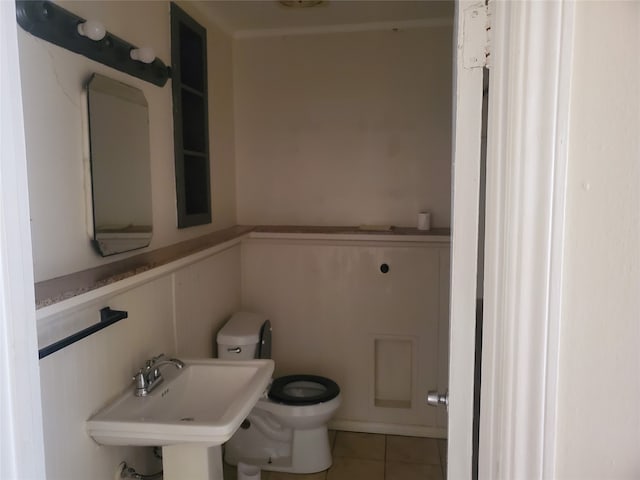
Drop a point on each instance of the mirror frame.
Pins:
(120, 166)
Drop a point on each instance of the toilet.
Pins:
(287, 429)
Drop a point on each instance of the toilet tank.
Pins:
(244, 337)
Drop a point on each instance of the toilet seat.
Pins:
(303, 390)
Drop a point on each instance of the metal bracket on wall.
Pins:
(107, 317)
(54, 24)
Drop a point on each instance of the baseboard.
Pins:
(388, 429)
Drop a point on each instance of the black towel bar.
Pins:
(107, 317)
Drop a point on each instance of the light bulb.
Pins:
(92, 29)
(144, 54)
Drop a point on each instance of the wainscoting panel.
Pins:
(371, 315)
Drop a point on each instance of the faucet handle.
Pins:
(141, 379)
(149, 364)
(158, 357)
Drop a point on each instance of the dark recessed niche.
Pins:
(193, 122)
(191, 54)
(195, 175)
(190, 119)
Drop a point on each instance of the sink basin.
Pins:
(202, 403)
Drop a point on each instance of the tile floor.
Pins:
(367, 456)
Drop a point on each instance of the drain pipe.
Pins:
(130, 472)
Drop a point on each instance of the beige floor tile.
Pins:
(230, 472)
(344, 468)
(366, 446)
(412, 450)
(291, 476)
(412, 471)
(361, 456)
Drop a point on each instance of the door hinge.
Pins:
(476, 46)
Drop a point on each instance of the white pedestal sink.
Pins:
(188, 462)
(190, 415)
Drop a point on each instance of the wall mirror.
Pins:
(120, 166)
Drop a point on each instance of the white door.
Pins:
(470, 58)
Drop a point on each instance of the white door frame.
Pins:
(21, 436)
(529, 95)
(467, 126)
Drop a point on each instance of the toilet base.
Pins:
(307, 451)
(311, 452)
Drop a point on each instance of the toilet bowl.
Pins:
(302, 401)
(287, 429)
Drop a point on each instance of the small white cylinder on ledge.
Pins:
(424, 221)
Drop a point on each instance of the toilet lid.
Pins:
(303, 389)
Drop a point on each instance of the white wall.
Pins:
(53, 81)
(178, 314)
(322, 297)
(207, 294)
(404, 161)
(599, 398)
(344, 128)
(334, 313)
(82, 378)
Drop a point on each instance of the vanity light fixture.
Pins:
(92, 29)
(51, 22)
(144, 54)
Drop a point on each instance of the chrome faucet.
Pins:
(149, 376)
